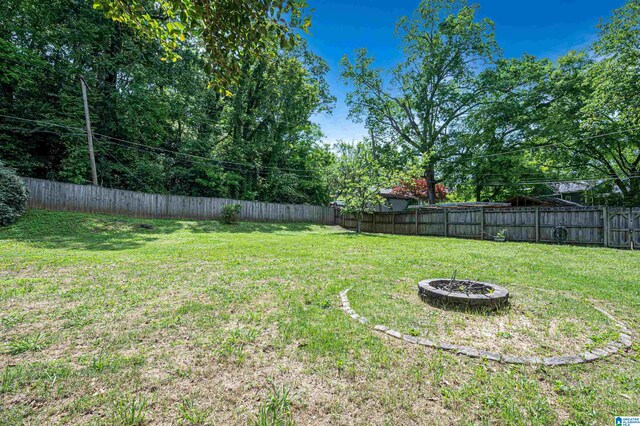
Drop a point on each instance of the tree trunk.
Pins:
(358, 226)
(633, 196)
(430, 176)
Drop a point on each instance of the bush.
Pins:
(13, 196)
(230, 214)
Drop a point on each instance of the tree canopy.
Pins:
(490, 127)
(230, 31)
(451, 114)
(158, 125)
(357, 177)
(433, 88)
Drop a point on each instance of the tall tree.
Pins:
(269, 126)
(357, 178)
(576, 120)
(435, 86)
(495, 149)
(613, 107)
(593, 120)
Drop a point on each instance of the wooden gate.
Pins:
(623, 227)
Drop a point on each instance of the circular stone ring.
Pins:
(434, 291)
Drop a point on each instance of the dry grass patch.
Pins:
(536, 323)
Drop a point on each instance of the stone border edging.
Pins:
(611, 348)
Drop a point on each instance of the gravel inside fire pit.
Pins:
(463, 286)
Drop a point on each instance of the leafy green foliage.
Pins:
(129, 411)
(13, 196)
(491, 128)
(434, 87)
(576, 119)
(28, 343)
(276, 411)
(230, 214)
(227, 29)
(489, 156)
(158, 125)
(357, 178)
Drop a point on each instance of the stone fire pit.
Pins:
(463, 293)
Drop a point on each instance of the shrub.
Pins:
(13, 196)
(230, 214)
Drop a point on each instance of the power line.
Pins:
(48, 123)
(199, 157)
(201, 161)
(508, 152)
(228, 165)
(30, 130)
(548, 182)
(250, 166)
(534, 175)
(130, 173)
(236, 166)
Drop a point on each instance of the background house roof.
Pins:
(388, 193)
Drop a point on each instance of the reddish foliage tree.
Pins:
(418, 188)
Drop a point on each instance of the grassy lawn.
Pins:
(105, 321)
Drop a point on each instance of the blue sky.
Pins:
(544, 28)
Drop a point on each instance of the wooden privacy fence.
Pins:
(605, 226)
(45, 194)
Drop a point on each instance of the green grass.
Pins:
(129, 411)
(103, 321)
(23, 344)
(276, 411)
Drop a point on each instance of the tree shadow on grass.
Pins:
(212, 226)
(348, 233)
(65, 230)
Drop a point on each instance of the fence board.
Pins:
(44, 194)
(611, 227)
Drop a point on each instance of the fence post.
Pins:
(630, 231)
(482, 223)
(537, 224)
(446, 222)
(393, 223)
(416, 221)
(605, 226)
(373, 222)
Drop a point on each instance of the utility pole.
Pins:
(94, 174)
